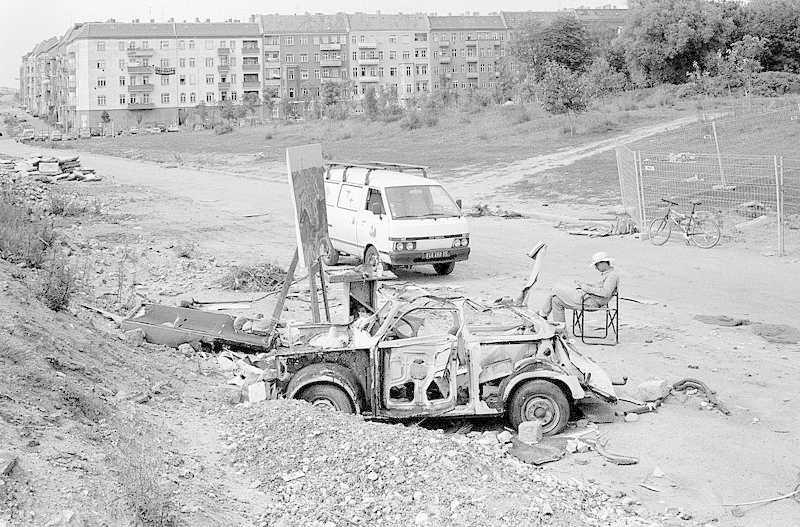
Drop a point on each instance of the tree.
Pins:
(743, 61)
(251, 102)
(663, 38)
(564, 41)
(104, 117)
(227, 111)
(370, 103)
(601, 79)
(563, 92)
(778, 21)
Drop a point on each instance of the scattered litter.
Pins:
(777, 333)
(7, 463)
(795, 492)
(484, 210)
(722, 320)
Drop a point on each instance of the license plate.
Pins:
(436, 254)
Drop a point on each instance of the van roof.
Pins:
(378, 175)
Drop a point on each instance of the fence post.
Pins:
(719, 155)
(779, 203)
(637, 164)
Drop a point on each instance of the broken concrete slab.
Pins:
(536, 454)
(530, 432)
(597, 411)
(652, 389)
(257, 392)
(135, 337)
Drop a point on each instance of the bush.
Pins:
(72, 205)
(58, 283)
(222, 128)
(260, 277)
(23, 239)
(411, 121)
(516, 113)
(775, 83)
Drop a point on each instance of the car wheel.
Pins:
(371, 258)
(444, 268)
(330, 256)
(540, 400)
(328, 397)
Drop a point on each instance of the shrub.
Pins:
(260, 277)
(516, 113)
(72, 205)
(411, 121)
(222, 128)
(23, 239)
(775, 83)
(58, 283)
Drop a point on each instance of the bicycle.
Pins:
(700, 231)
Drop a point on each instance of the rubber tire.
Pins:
(538, 387)
(371, 253)
(444, 268)
(714, 227)
(330, 256)
(335, 395)
(661, 224)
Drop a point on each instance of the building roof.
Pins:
(92, 30)
(382, 22)
(308, 23)
(515, 19)
(467, 22)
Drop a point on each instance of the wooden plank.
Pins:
(276, 313)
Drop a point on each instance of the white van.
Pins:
(392, 213)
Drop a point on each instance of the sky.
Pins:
(23, 23)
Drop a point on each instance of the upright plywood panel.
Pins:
(307, 191)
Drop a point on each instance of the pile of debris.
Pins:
(7, 166)
(328, 468)
(53, 169)
(484, 210)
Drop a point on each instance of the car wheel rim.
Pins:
(543, 409)
(325, 404)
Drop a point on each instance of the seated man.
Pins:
(598, 294)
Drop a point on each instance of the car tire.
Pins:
(539, 399)
(372, 258)
(330, 256)
(444, 268)
(328, 397)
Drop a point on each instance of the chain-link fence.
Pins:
(754, 199)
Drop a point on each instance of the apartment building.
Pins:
(390, 52)
(465, 50)
(153, 72)
(302, 52)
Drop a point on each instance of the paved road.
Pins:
(749, 455)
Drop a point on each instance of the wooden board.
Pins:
(307, 191)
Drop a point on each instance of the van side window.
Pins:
(331, 193)
(348, 197)
(375, 202)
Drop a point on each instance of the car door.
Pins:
(372, 222)
(350, 203)
(418, 364)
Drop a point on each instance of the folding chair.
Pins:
(611, 310)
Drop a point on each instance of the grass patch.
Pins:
(57, 284)
(23, 237)
(72, 205)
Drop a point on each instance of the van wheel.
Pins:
(444, 268)
(330, 256)
(328, 397)
(371, 258)
(542, 400)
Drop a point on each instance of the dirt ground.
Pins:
(712, 459)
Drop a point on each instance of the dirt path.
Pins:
(482, 184)
(712, 458)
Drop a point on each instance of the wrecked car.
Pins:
(443, 358)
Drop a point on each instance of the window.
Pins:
(232, 61)
(121, 45)
(164, 80)
(304, 74)
(209, 96)
(291, 93)
(182, 80)
(305, 91)
(409, 88)
(165, 98)
(193, 97)
(191, 62)
(209, 62)
(232, 44)
(393, 72)
(165, 63)
(375, 202)
(362, 39)
(289, 58)
(392, 39)
(420, 37)
(209, 44)
(182, 63)
(303, 57)
(165, 44)
(232, 78)
(380, 72)
(182, 97)
(289, 41)
(316, 57)
(406, 54)
(419, 201)
(181, 44)
(132, 99)
(101, 100)
(191, 44)
(101, 45)
(101, 82)
(348, 197)
(209, 79)
(392, 55)
(316, 74)
(355, 55)
(122, 64)
(234, 96)
(355, 72)
(303, 40)
(123, 99)
(420, 53)
(315, 40)
(223, 95)
(145, 44)
(122, 80)
(408, 71)
(100, 64)
(145, 79)
(131, 45)
(290, 75)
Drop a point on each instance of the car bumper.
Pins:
(430, 256)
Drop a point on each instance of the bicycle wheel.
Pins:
(704, 232)
(659, 231)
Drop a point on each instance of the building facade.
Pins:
(141, 73)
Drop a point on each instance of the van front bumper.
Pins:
(429, 256)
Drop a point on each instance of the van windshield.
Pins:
(421, 201)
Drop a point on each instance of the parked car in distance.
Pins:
(133, 130)
(95, 131)
(84, 133)
(27, 134)
(42, 135)
(69, 136)
(55, 135)
(174, 128)
(154, 130)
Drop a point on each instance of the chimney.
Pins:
(152, 20)
(196, 20)
(171, 20)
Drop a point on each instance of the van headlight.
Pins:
(460, 242)
(405, 246)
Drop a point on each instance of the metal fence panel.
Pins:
(628, 183)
